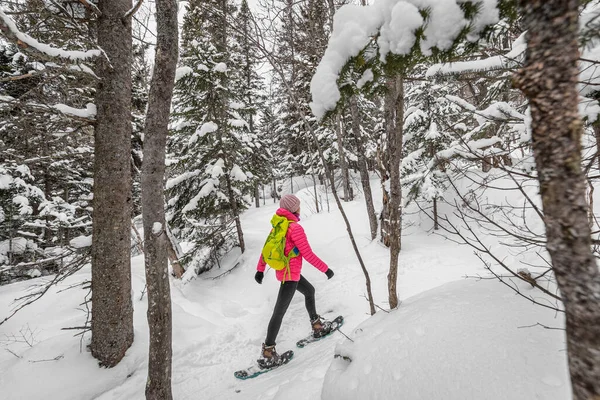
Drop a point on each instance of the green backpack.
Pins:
(273, 251)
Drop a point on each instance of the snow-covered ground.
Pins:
(461, 340)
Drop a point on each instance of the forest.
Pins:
(445, 154)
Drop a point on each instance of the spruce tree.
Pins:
(210, 141)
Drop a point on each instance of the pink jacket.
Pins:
(295, 238)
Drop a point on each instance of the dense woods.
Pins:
(123, 133)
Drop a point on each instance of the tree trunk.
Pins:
(257, 194)
(394, 118)
(549, 80)
(343, 164)
(157, 242)
(316, 194)
(236, 214)
(112, 311)
(436, 226)
(596, 126)
(362, 167)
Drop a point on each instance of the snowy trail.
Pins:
(238, 309)
(219, 325)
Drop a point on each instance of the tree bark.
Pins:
(362, 167)
(549, 80)
(596, 127)
(257, 194)
(157, 243)
(394, 117)
(343, 164)
(236, 213)
(112, 310)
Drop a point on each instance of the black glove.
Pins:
(258, 277)
(329, 273)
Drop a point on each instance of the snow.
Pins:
(88, 112)
(237, 174)
(432, 346)
(156, 228)
(23, 203)
(205, 128)
(366, 77)
(27, 40)
(220, 67)
(395, 23)
(511, 59)
(81, 242)
(180, 178)
(236, 105)
(17, 245)
(450, 338)
(237, 123)
(5, 181)
(181, 72)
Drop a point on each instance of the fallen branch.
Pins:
(226, 272)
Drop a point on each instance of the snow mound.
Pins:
(464, 340)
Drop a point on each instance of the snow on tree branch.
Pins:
(87, 114)
(133, 10)
(43, 51)
(508, 60)
(91, 6)
(394, 24)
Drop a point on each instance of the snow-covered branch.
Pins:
(393, 23)
(87, 114)
(40, 50)
(92, 7)
(133, 10)
(509, 60)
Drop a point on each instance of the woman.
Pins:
(292, 281)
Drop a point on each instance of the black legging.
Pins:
(286, 293)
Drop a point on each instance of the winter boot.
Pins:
(320, 327)
(269, 357)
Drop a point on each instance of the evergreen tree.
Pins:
(211, 139)
(249, 98)
(37, 100)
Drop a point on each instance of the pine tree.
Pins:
(35, 96)
(249, 99)
(429, 129)
(210, 139)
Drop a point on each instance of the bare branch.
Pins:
(133, 10)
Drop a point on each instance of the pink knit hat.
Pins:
(290, 203)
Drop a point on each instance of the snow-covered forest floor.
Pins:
(451, 338)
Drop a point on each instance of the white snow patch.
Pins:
(220, 67)
(182, 72)
(207, 127)
(81, 242)
(367, 76)
(88, 112)
(466, 338)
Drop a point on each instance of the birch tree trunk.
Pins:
(549, 80)
(394, 117)
(112, 310)
(362, 167)
(157, 243)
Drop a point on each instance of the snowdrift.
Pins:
(464, 340)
